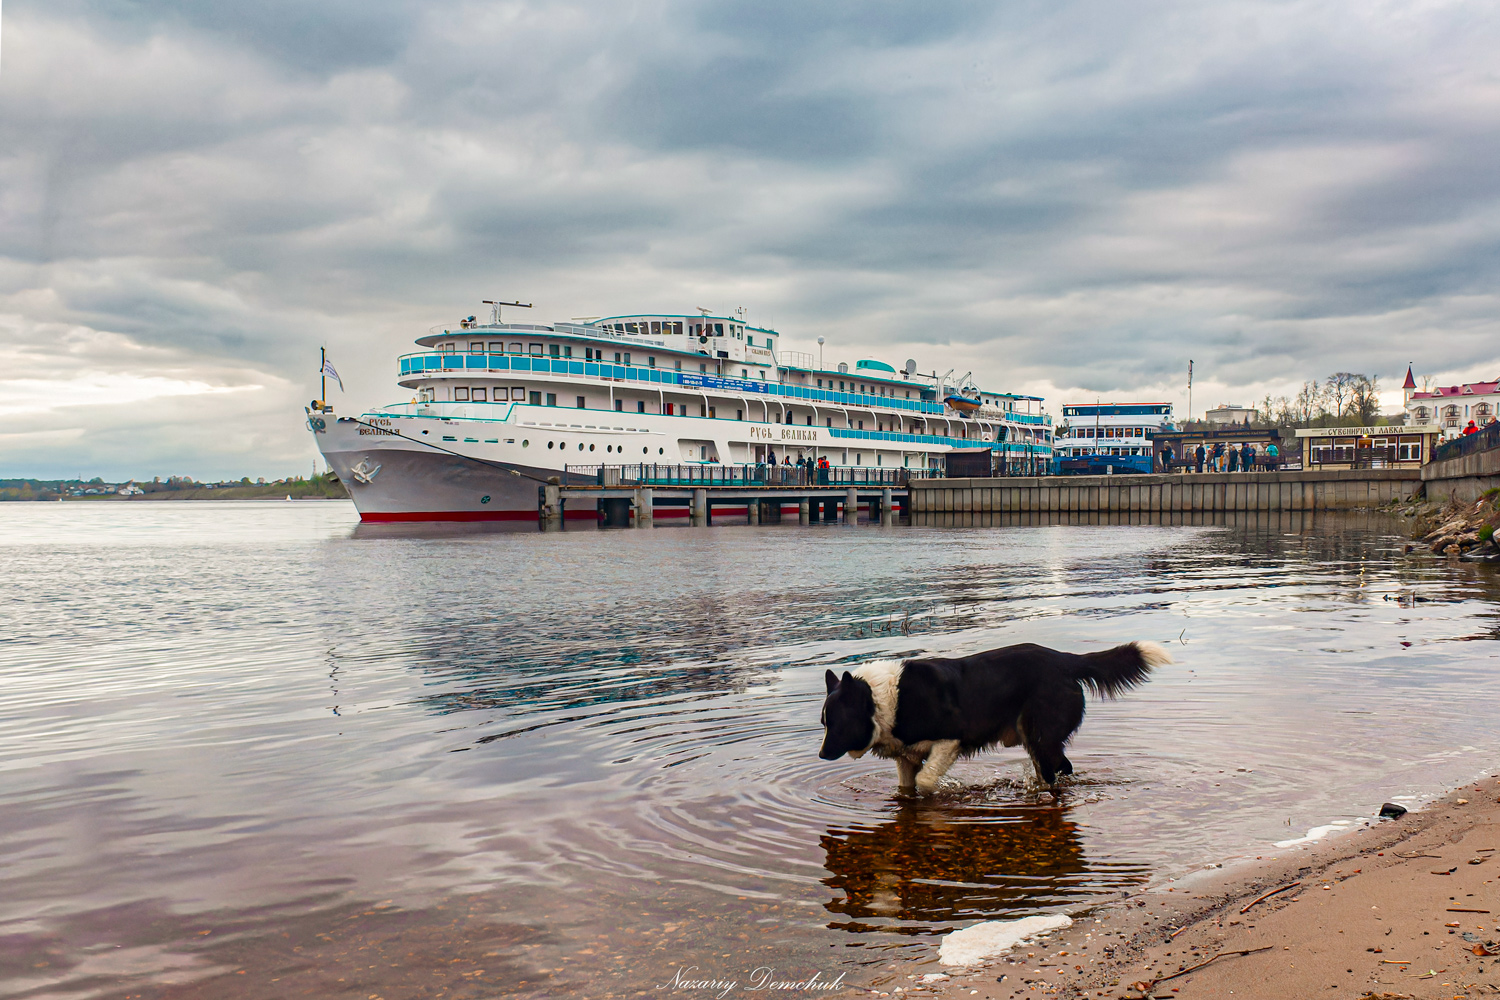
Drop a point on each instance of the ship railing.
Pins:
(746, 475)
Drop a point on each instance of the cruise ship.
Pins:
(498, 408)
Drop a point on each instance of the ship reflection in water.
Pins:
(936, 864)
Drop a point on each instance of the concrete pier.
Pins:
(956, 501)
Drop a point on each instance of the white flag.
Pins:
(328, 370)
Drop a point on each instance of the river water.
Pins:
(250, 750)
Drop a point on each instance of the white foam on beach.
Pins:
(1317, 833)
(973, 945)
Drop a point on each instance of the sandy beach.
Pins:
(1405, 907)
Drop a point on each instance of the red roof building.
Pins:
(1452, 407)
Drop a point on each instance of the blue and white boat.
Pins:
(498, 407)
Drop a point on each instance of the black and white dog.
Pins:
(925, 713)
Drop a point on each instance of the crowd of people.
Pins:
(1223, 457)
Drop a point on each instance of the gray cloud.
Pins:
(1068, 198)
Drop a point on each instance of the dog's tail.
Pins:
(1112, 672)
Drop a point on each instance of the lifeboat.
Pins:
(963, 404)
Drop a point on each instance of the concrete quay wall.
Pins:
(1464, 478)
(1175, 493)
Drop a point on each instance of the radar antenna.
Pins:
(495, 308)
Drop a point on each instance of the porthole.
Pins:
(661, 451)
(643, 451)
(580, 446)
(549, 445)
(591, 447)
(525, 443)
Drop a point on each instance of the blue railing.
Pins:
(1469, 444)
(416, 364)
(752, 474)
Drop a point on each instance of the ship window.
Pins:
(678, 364)
(702, 367)
(744, 373)
(617, 357)
(711, 414)
(650, 361)
(515, 348)
(750, 341)
(480, 395)
(739, 414)
(497, 347)
(536, 399)
(718, 329)
(536, 350)
(567, 351)
(551, 399)
(476, 347)
(627, 358)
(762, 376)
(655, 326)
(549, 445)
(580, 402)
(554, 350)
(619, 405)
(861, 425)
(640, 406)
(809, 421)
(830, 421)
(461, 394)
(518, 393)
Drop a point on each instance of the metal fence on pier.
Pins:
(1468, 444)
(753, 474)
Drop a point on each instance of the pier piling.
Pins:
(552, 508)
(887, 508)
(851, 506)
(752, 510)
(699, 515)
(645, 515)
(802, 510)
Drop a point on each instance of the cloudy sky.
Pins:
(1070, 199)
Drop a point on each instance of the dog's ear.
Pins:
(848, 677)
(831, 679)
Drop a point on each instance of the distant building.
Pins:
(1228, 413)
(1111, 429)
(1450, 408)
(130, 489)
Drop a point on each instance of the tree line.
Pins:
(1343, 398)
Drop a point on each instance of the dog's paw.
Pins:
(928, 783)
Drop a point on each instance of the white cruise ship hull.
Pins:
(499, 410)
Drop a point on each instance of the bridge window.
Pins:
(536, 350)
(515, 348)
(480, 395)
(517, 393)
(476, 347)
(497, 347)
(461, 394)
(555, 350)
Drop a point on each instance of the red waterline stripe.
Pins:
(468, 515)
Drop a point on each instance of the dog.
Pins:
(925, 713)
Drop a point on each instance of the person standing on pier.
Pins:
(1200, 455)
(1247, 457)
(1272, 454)
(1166, 458)
(1234, 459)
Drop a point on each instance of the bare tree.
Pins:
(1364, 399)
(1339, 387)
(1309, 403)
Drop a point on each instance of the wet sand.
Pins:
(1403, 908)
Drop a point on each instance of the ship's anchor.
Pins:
(363, 473)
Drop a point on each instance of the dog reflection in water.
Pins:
(925, 713)
(937, 861)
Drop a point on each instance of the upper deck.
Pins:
(730, 356)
